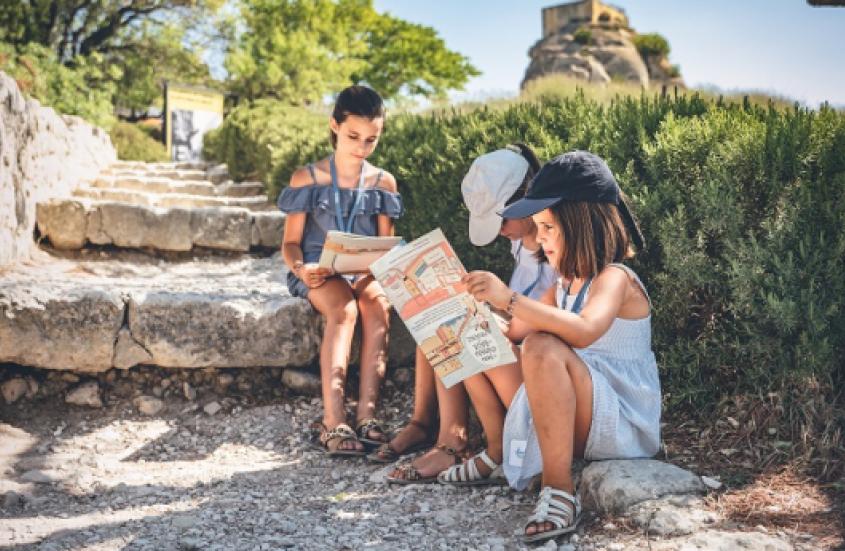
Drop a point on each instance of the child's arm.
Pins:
(607, 295)
(519, 328)
(385, 223)
(311, 275)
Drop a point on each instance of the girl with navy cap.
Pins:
(344, 192)
(591, 385)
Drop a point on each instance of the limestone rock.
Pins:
(212, 408)
(56, 328)
(611, 487)
(224, 330)
(43, 155)
(673, 516)
(13, 389)
(268, 229)
(63, 222)
(717, 540)
(301, 381)
(137, 226)
(127, 352)
(86, 394)
(227, 228)
(148, 405)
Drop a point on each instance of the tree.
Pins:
(81, 27)
(410, 58)
(301, 50)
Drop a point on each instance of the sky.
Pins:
(781, 47)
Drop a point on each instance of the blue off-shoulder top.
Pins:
(317, 200)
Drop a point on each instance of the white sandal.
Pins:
(467, 474)
(560, 509)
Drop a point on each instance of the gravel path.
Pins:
(243, 477)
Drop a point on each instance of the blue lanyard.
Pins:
(576, 306)
(530, 288)
(338, 213)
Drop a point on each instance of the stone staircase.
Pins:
(163, 206)
(117, 307)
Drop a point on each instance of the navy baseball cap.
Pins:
(574, 176)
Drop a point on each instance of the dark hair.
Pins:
(533, 169)
(594, 235)
(358, 100)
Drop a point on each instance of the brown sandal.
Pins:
(408, 474)
(342, 433)
(365, 427)
(386, 453)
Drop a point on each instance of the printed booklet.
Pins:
(349, 253)
(458, 335)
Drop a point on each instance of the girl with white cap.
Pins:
(493, 181)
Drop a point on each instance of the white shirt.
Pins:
(529, 277)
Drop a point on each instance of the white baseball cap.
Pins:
(491, 180)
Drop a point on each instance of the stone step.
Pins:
(185, 200)
(141, 165)
(71, 223)
(192, 187)
(94, 315)
(173, 174)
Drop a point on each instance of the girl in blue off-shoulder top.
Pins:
(344, 192)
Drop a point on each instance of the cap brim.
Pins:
(484, 229)
(526, 207)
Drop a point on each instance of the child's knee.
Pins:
(346, 313)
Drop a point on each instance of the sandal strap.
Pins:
(557, 507)
(342, 431)
(486, 460)
(366, 425)
(468, 470)
(448, 449)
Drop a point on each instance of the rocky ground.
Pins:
(204, 459)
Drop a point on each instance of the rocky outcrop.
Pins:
(597, 54)
(43, 155)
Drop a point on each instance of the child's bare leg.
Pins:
(375, 320)
(425, 408)
(491, 393)
(560, 394)
(334, 300)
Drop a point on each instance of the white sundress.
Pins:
(626, 399)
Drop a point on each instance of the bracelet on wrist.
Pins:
(512, 303)
(296, 267)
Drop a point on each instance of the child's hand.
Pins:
(486, 287)
(312, 275)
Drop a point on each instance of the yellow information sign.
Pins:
(190, 112)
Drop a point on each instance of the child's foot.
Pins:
(479, 470)
(370, 432)
(340, 440)
(412, 438)
(425, 468)
(557, 512)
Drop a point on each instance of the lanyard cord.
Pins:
(341, 224)
(576, 306)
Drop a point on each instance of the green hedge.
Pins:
(135, 143)
(742, 207)
(266, 140)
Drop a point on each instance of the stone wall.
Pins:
(43, 154)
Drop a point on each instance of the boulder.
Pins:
(612, 487)
(148, 405)
(138, 226)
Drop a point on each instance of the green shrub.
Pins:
(583, 35)
(652, 45)
(135, 143)
(81, 90)
(267, 140)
